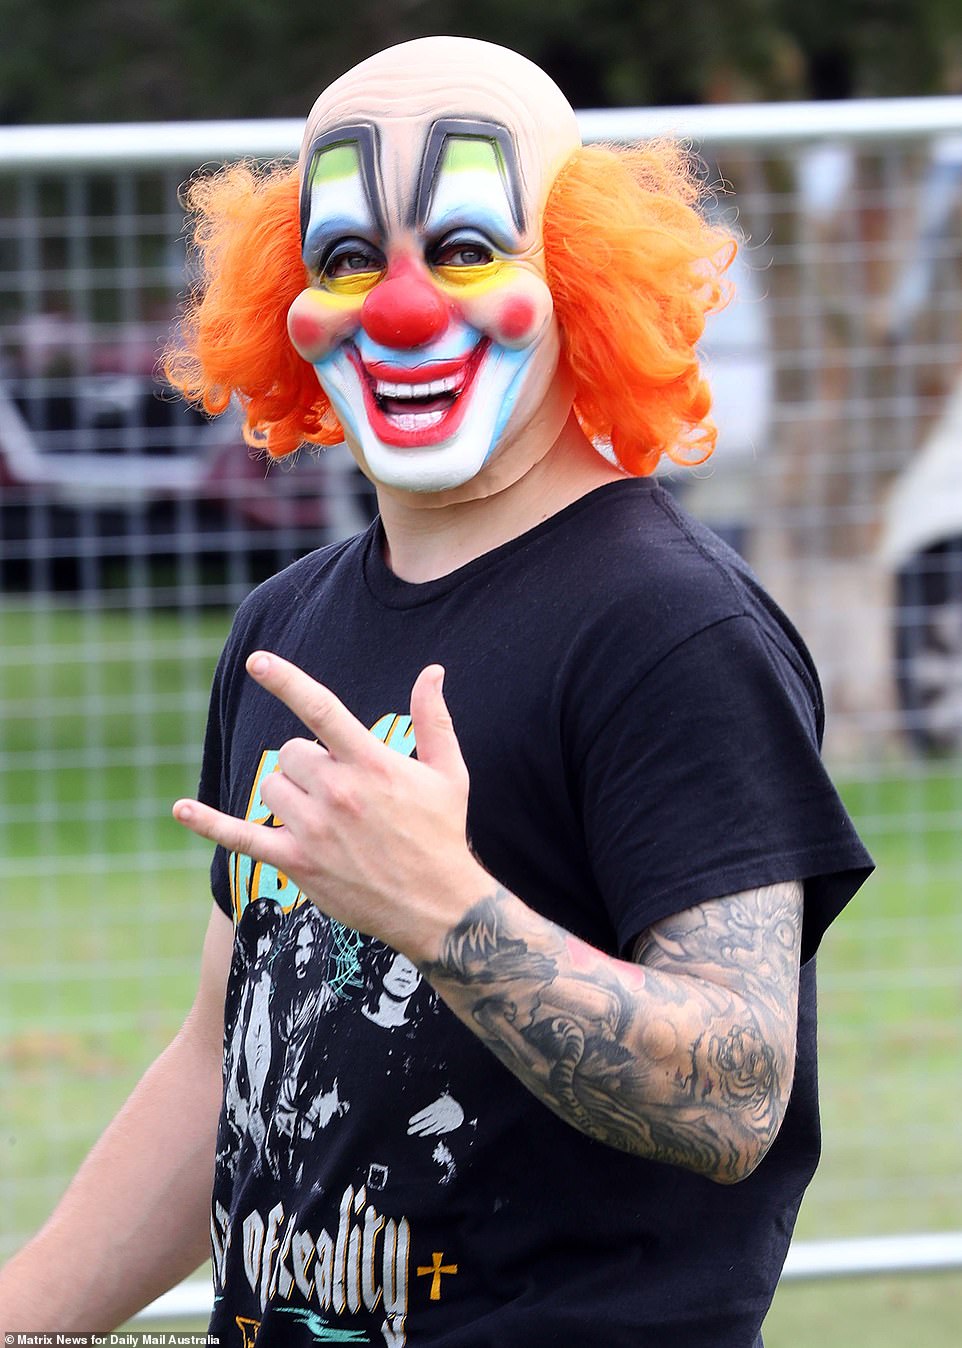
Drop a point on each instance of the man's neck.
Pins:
(427, 538)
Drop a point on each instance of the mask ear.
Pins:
(634, 269)
(233, 337)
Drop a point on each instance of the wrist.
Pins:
(462, 886)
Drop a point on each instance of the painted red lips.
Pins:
(417, 408)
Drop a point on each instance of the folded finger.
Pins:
(284, 797)
(300, 760)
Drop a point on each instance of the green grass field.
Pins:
(101, 717)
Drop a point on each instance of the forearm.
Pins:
(669, 1066)
(135, 1220)
(687, 1059)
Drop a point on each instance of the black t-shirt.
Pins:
(641, 726)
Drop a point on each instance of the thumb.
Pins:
(437, 744)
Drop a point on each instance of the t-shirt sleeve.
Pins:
(212, 788)
(706, 779)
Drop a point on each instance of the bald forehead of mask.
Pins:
(404, 91)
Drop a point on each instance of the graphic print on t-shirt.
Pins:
(335, 1108)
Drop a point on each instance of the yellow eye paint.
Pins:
(484, 274)
(331, 300)
(355, 283)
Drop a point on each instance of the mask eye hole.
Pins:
(461, 250)
(463, 257)
(352, 266)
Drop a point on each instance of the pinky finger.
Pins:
(236, 835)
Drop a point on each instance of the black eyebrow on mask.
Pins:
(365, 137)
(462, 128)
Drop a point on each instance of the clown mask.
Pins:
(428, 320)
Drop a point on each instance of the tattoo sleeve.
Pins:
(685, 1055)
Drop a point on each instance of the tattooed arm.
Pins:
(685, 1055)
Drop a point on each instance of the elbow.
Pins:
(750, 1139)
(739, 1165)
(752, 1091)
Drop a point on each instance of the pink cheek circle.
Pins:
(516, 319)
(314, 330)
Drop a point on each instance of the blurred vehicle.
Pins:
(101, 464)
(922, 523)
(922, 544)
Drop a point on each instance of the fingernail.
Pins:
(258, 665)
(183, 812)
(439, 679)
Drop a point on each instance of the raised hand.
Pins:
(375, 839)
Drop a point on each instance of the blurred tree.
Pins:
(126, 60)
(874, 48)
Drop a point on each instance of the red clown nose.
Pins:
(404, 310)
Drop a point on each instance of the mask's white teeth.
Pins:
(384, 388)
(416, 421)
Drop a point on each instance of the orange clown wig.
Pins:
(633, 266)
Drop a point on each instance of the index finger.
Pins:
(341, 733)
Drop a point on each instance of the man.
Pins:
(614, 852)
(247, 1058)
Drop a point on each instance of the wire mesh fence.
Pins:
(130, 527)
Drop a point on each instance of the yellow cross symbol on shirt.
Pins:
(248, 1328)
(436, 1269)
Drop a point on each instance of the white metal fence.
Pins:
(128, 530)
